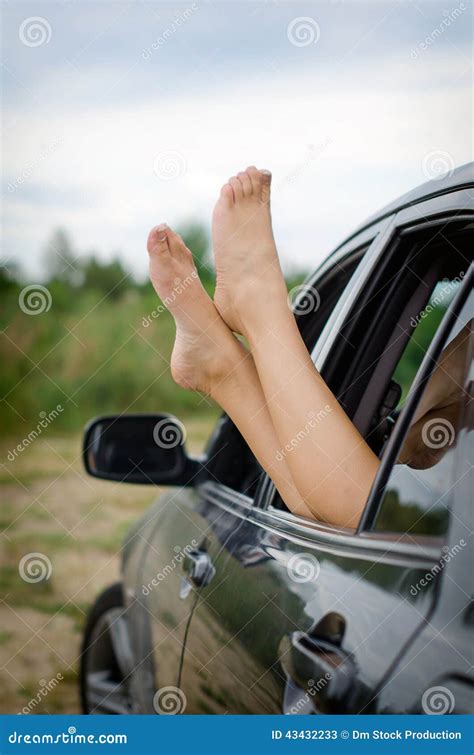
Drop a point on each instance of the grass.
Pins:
(80, 529)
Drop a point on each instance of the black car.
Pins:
(229, 603)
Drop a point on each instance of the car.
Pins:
(228, 602)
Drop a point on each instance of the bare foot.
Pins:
(247, 265)
(205, 352)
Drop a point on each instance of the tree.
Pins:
(110, 278)
(59, 259)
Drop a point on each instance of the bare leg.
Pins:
(208, 358)
(330, 463)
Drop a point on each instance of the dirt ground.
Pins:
(60, 537)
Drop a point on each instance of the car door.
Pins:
(301, 617)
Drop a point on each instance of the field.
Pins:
(50, 507)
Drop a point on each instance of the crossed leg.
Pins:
(208, 358)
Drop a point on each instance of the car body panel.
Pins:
(235, 654)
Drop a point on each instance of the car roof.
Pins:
(456, 179)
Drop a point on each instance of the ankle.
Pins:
(272, 315)
(229, 375)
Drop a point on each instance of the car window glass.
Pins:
(417, 495)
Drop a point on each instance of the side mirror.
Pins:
(140, 448)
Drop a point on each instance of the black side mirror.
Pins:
(140, 448)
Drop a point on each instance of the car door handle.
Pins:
(319, 670)
(199, 571)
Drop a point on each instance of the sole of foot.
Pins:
(205, 351)
(247, 266)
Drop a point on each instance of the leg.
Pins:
(331, 465)
(208, 358)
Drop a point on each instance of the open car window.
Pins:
(231, 462)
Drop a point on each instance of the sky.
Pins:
(121, 115)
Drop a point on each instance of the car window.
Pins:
(393, 329)
(419, 489)
(382, 344)
(230, 460)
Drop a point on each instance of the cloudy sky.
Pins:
(121, 115)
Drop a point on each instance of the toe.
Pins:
(158, 239)
(244, 179)
(256, 179)
(236, 188)
(227, 194)
(175, 242)
(266, 182)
